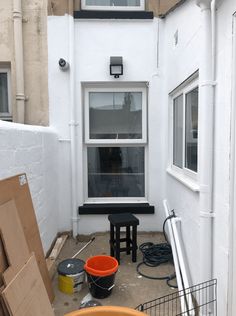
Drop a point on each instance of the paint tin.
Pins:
(70, 275)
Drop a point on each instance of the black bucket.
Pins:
(101, 287)
(101, 271)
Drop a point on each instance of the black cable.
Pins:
(155, 255)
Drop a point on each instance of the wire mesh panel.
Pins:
(197, 300)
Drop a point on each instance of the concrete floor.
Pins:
(130, 289)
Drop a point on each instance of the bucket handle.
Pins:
(101, 287)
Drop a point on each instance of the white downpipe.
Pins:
(232, 254)
(19, 61)
(73, 126)
(206, 140)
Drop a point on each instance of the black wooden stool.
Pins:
(116, 222)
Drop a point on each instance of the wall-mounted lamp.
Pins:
(116, 66)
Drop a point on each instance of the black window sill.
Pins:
(142, 15)
(135, 208)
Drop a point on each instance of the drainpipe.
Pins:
(73, 124)
(206, 139)
(232, 202)
(19, 61)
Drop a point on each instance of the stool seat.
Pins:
(123, 219)
(129, 221)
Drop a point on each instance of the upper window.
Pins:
(115, 115)
(185, 129)
(5, 110)
(119, 5)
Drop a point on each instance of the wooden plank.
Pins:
(13, 239)
(26, 294)
(51, 260)
(17, 188)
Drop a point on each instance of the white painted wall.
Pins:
(222, 150)
(33, 150)
(177, 64)
(136, 41)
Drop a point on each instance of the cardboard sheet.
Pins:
(17, 188)
(13, 239)
(26, 294)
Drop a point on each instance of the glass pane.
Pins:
(118, 3)
(191, 130)
(116, 172)
(3, 93)
(115, 115)
(178, 132)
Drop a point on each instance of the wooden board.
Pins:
(17, 188)
(26, 294)
(51, 260)
(13, 239)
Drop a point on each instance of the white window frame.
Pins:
(139, 87)
(84, 6)
(7, 115)
(143, 140)
(181, 173)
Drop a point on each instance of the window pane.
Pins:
(115, 115)
(178, 132)
(113, 2)
(116, 172)
(191, 130)
(3, 93)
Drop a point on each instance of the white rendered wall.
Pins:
(95, 41)
(136, 42)
(33, 150)
(165, 69)
(178, 63)
(59, 109)
(222, 149)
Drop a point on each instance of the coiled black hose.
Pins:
(155, 255)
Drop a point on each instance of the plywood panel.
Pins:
(26, 294)
(13, 239)
(3, 261)
(3, 308)
(17, 188)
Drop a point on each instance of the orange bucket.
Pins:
(101, 272)
(106, 311)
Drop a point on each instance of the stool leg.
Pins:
(128, 240)
(112, 240)
(134, 241)
(117, 243)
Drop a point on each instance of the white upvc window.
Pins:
(110, 5)
(5, 102)
(115, 116)
(184, 129)
(115, 141)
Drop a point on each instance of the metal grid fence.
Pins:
(197, 300)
